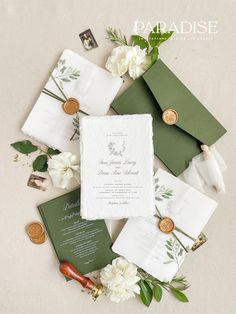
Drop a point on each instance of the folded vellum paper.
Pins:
(116, 166)
(93, 87)
(142, 242)
(206, 170)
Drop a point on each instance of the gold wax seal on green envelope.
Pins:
(170, 116)
(71, 106)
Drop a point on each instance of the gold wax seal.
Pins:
(170, 116)
(35, 230)
(166, 225)
(39, 240)
(71, 106)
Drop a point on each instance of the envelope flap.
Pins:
(171, 93)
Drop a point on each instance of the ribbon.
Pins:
(158, 215)
(55, 96)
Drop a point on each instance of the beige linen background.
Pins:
(32, 36)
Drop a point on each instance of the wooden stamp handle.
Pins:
(70, 271)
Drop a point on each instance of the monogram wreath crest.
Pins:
(112, 146)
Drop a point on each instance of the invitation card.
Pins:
(116, 166)
(159, 244)
(85, 244)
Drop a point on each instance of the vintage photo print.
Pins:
(88, 39)
(37, 182)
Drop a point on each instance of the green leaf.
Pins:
(157, 293)
(63, 69)
(179, 295)
(154, 55)
(168, 262)
(24, 147)
(165, 36)
(40, 163)
(168, 247)
(169, 242)
(65, 80)
(52, 151)
(165, 196)
(170, 256)
(154, 37)
(139, 41)
(146, 293)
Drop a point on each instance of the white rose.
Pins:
(64, 170)
(117, 62)
(137, 60)
(128, 58)
(120, 279)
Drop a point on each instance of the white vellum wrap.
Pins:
(207, 171)
(158, 253)
(95, 90)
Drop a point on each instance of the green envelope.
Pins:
(157, 90)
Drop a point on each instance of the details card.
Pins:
(85, 244)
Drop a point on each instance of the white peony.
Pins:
(64, 170)
(137, 59)
(117, 63)
(131, 59)
(120, 279)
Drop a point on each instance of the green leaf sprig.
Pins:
(116, 37)
(155, 39)
(76, 134)
(40, 163)
(151, 287)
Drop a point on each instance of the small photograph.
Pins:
(88, 39)
(37, 182)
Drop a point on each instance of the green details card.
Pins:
(84, 243)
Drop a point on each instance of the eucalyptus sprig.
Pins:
(155, 39)
(151, 287)
(40, 163)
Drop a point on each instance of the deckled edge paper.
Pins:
(147, 210)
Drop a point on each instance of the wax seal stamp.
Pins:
(70, 271)
(71, 106)
(166, 225)
(170, 116)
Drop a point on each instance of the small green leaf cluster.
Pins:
(40, 163)
(152, 288)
